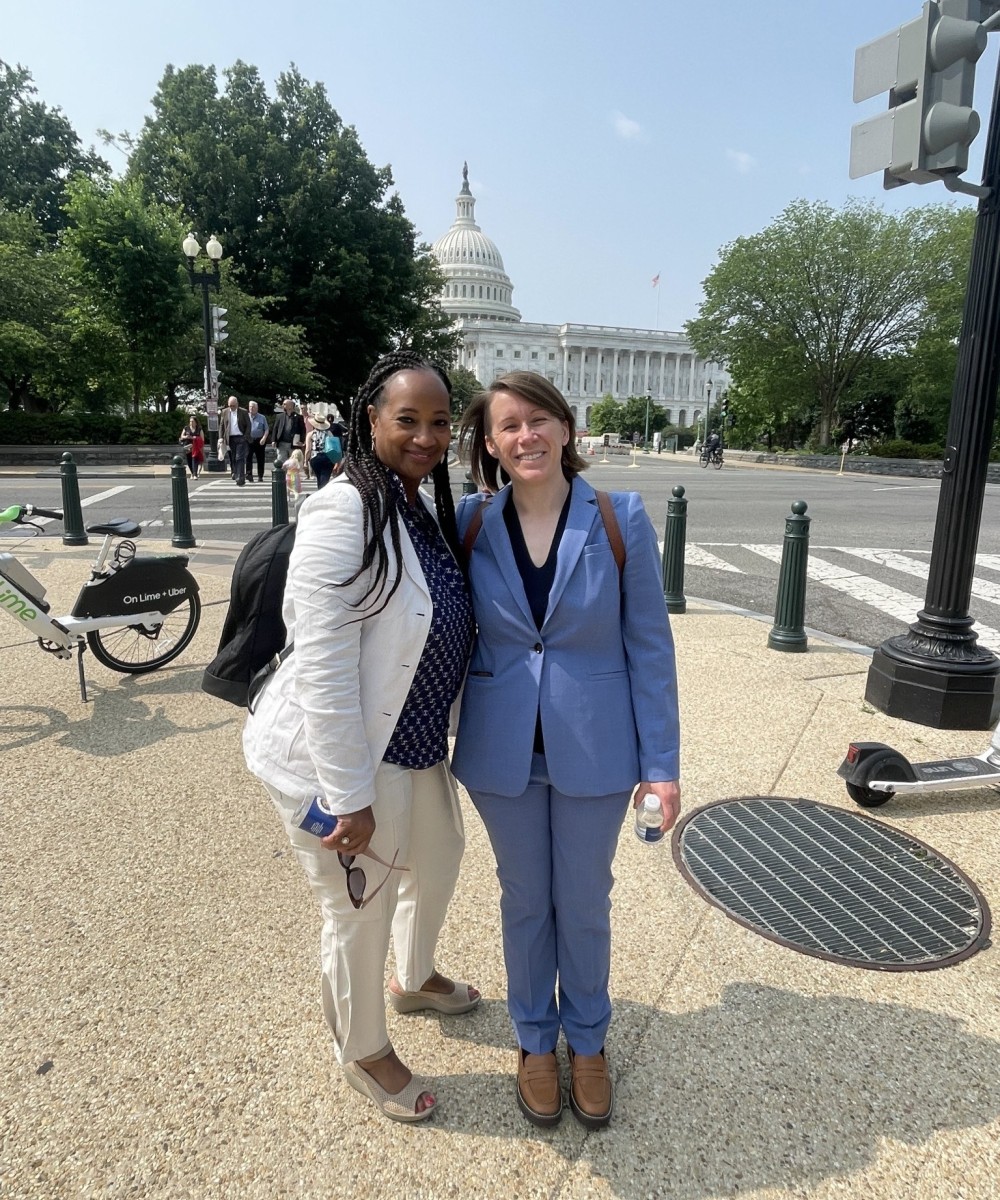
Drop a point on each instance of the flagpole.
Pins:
(656, 288)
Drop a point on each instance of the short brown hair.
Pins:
(533, 388)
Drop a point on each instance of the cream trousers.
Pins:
(418, 814)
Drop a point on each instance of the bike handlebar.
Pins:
(17, 512)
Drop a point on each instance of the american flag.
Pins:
(656, 279)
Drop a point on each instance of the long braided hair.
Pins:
(366, 471)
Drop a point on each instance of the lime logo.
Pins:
(13, 603)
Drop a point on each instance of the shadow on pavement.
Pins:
(768, 1089)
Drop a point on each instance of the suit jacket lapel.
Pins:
(579, 521)
(495, 531)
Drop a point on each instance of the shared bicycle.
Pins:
(136, 612)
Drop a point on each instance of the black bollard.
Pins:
(279, 497)
(787, 632)
(183, 537)
(469, 488)
(74, 533)
(673, 552)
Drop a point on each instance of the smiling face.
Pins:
(525, 438)
(411, 426)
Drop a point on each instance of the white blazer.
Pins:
(325, 718)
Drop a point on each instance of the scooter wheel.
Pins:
(866, 797)
(887, 765)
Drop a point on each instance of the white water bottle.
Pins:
(649, 820)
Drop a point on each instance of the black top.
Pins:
(537, 581)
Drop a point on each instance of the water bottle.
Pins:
(314, 816)
(649, 820)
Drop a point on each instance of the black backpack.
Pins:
(254, 633)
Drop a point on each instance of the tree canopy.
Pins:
(39, 152)
(798, 310)
(304, 216)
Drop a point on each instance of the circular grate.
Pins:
(832, 883)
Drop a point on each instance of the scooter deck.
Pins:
(954, 768)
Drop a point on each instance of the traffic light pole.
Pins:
(937, 674)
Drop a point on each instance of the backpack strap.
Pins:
(611, 527)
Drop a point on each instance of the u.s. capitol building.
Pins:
(586, 362)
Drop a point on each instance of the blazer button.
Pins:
(537, 647)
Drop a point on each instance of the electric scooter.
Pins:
(874, 772)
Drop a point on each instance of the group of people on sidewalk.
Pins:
(244, 434)
(535, 610)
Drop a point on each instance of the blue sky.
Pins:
(606, 142)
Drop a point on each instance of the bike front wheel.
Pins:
(704, 461)
(134, 649)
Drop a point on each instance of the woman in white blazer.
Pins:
(570, 703)
(379, 614)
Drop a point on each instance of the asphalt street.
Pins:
(870, 536)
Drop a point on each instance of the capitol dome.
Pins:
(477, 288)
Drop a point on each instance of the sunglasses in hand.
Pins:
(357, 881)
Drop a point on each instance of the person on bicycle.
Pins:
(713, 445)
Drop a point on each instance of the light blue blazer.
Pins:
(601, 669)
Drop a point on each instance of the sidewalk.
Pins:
(160, 1025)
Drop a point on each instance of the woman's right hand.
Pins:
(357, 827)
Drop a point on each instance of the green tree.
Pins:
(39, 151)
(303, 213)
(261, 359)
(127, 255)
(464, 385)
(605, 416)
(35, 296)
(800, 307)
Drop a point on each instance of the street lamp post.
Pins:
(207, 278)
(708, 407)
(645, 441)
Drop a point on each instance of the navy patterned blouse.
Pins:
(420, 738)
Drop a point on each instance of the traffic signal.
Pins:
(928, 66)
(219, 324)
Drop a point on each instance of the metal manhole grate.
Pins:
(832, 883)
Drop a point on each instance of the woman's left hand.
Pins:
(352, 832)
(669, 795)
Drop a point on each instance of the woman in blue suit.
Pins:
(570, 702)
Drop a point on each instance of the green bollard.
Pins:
(74, 533)
(673, 552)
(787, 632)
(279, 497)
(183, 537)
(469, 488)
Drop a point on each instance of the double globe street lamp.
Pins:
(207, 278)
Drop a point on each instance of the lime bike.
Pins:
(136, 612)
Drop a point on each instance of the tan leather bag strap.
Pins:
(611, 528)
(473, 530)
(614, 532)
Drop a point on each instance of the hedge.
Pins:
(93, 429)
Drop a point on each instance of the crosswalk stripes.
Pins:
(875, 588)
(219, 502)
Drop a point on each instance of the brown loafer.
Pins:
(539, 1095)
(592, 1094)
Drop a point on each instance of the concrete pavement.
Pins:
(160, 1026)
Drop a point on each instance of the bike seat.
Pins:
(119, 527)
